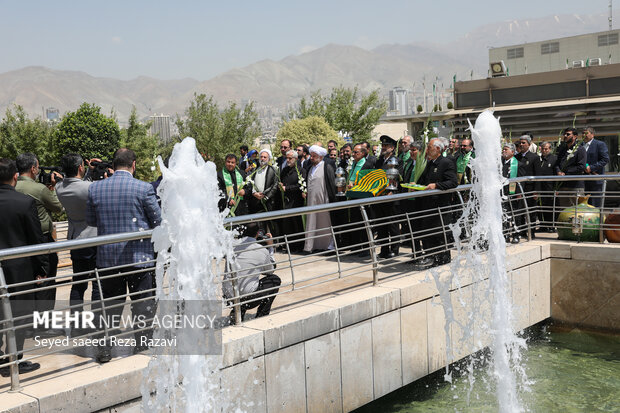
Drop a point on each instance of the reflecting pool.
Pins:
(569, 372)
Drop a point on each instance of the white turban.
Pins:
(268, 152)
(319, 150)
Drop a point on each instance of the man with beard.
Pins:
(403, 148)
(292, 185)
(303, 155)
(388, 229)
(440, 173)
(264, 189)
(463, 169)
(571, 160)
(547, 165)
(530, 162)
(321, 190)
(597, 156)
(230, 181)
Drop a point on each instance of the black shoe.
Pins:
(515, 240)
(104, 355)
(424, 264)
(24, 367)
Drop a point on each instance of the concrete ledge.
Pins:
(363, 304)
(295, 326)
(18, 403)
(123, 378)
(599, 252)
(241, 343)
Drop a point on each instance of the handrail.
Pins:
(30, 250)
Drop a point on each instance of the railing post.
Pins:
(236, 301)
(331, 227)
(102, 301)
(10, 334)
(601, 234)
(371, 246)
(290, 261)
(443, 228)
(527, 213)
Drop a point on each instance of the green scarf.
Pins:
(230, 189)
(462, 161)
(514, 169)
(358, 166)
(405, 156)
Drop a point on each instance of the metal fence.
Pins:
(352, 262)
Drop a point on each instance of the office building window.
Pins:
(548, 48)
(607, 39)
(515, 53)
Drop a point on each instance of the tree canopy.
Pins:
(218, 132)
(19, 134)
(87, 132)
(147, 147)
(307, 131)
(345, 110)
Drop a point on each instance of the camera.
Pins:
(45, 174)
(260, 235)
(100, 171)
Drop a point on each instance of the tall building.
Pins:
(592, 49)
(52, 114)
(399, 101)
(160, 125)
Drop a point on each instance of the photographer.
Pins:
(73, 193)
(47, 203)
(250, 261)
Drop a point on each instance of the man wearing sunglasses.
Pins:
(571, 161)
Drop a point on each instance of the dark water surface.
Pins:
(571, 372)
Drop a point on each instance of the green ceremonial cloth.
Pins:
(358, 166)
(370, 183)
(230, 189)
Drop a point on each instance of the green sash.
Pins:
(514, 169)
(230, 189)
(462, 161)
(405, 156)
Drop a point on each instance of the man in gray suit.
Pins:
(72, 192)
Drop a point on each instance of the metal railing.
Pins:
(352, 262)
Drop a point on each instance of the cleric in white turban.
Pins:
(321, 190)
(319, 150)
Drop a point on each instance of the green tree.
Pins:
(137, 138)
(216, 132)
(346, 110)
(19, 134)
(308, 131)
(87, 132)
(450, 105)
(419, 109)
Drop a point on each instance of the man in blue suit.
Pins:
(119, 204)
(598, 157)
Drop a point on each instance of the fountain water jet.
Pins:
(482, 219)
(193, 240)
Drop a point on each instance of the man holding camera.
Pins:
(47, 203)
(250, 261)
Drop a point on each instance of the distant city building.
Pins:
(161, 126)
(52, 114)
(593, 49)
(399, 101)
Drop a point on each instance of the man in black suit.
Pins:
(388, 229)
(547, 189)
(231, 182)
(19, 226)
(303, 155)
(530, 162)
(597, 158)
(293, 185)
(571, 160)
(440, 173)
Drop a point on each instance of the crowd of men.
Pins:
(257, 182)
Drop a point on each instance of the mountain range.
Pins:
(277, 84)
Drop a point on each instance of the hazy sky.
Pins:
(200, 39)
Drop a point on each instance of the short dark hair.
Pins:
(366, 144)
(25, 161)
(416, 144)
(305, 149)
(290, 144)
(70, 163)
(251, 230)
(8, 169)
(345, 145)
(332, 141)
(243, 148)
(123, 158)
(572, 130)
(230, 156)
